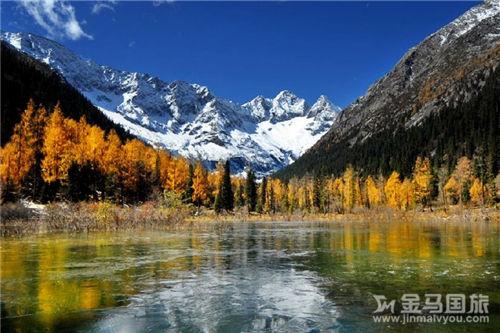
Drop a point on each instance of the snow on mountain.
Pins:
(188, 119)
(467, 21)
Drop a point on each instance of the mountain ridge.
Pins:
(188, 119)
(25, 78)
(444, 71)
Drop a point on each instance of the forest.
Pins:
(24, 77)
(465, 128)
(51, 157)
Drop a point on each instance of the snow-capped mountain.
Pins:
(188, 119)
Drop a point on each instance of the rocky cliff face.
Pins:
(426, 77)
(446, 69)
(188, 119)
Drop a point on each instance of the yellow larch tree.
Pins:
(349, 195)
(165, 161)
(372, 192)
(200, 185)
(20, 153)
(96, 146)
(464, 174)
(392, 190)
(477, 192)
(358, 194)
(452, 190)
(133, 154)
(215, 179)
(422, 181)
(80, 153)
(279, 194)
(113, 155)
(406, 194)
(178, 175)
(58, 147)
(292, 194)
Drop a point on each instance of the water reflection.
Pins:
(242, 277)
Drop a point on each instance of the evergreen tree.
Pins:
(218, 203)
(225, 199)
(83, 182)
(251, 191)
(262, 195)
(239, 200)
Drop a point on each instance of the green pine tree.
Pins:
(251, 191)
(262, 195)
(225, 199)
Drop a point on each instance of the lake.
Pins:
(245, 277)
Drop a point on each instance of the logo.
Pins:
(432, 308)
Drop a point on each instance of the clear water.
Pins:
(244, 277)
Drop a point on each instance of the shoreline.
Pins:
(26, 218)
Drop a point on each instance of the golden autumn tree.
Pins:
(215, 178)
(279, 191)
(177, 175)
(90, 146)
(21, 153)
(406, 194)
(349, 195)
(292, 194)
(80, 148)
(113, 155)
(372, 192)
(303, 194)
(165, 160)
(133, 153)
(477, 191)
(392, 190)
(452, 190)
(151, 160)
(96, 146)
(59, 141)
(270, 203)
(422, 181)
(238, 184)
(457, 187)
(358, 194)
(201, 189)
(463, 173)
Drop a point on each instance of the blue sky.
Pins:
(242, 49)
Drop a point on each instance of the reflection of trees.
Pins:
(393, 258)
(54, 279)
(51, 277)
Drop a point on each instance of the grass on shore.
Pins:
(19, 218)
(27, 218)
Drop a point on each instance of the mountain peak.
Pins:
(186, 118)
(322, 101)
(285, 94)
(466, 22)
(324, 110)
